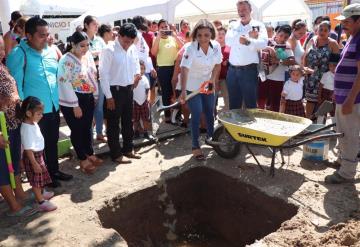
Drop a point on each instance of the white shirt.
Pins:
(293, 90)
(143, 52)
(328, 80)
(240, 54)
(298, 52)
(200, 65)
(31, 137)
(140, 91)
(118, 67)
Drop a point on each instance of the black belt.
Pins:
(121, 87)
(248, 66)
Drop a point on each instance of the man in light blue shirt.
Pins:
(34, 67)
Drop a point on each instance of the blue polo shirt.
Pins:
(38, 77)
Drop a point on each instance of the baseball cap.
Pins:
(348, 11)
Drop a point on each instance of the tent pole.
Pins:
(5, 14)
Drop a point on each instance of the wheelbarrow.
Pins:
(257, 127)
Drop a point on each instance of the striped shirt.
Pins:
(346, 70)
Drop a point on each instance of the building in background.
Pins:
(332, 8)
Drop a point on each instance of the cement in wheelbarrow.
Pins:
(262, 127)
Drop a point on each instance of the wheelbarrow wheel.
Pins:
(228, 147)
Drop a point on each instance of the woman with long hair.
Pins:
(78, 90)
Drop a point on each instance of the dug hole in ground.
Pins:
(169, 199)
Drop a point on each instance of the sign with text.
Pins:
(61, 26)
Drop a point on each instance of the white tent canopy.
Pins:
(40, 7)
(193, 10)
(108, 11)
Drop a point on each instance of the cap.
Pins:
(348, 11)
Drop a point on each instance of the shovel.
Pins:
(205, 88)
(7, 150)
(155, 115)
(322, 111)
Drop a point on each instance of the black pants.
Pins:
(123, 97)
(81, 128)
(165, 74)
(49, 126)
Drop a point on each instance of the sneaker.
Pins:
(335, 178)
(47, 206)
(48, 195)
(148, 136)
(24, 212)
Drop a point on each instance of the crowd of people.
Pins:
(108, 76)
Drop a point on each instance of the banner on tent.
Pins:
(61, 26)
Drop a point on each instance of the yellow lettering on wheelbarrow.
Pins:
(256, 138)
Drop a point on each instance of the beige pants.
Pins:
(224, 93)
(349, 144)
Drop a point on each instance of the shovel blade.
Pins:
(324, 108)
(155, 115)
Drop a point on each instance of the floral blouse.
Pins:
(9, 98)
(318, 60)
(75, 76)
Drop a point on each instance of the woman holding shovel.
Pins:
(201, 63)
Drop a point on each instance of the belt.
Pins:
(117, 87)
(248, 66)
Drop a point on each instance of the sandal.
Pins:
(122, 160)
(95, 160)
(24, 212)
(198, 155)
(132, 155)
(101, 138)
(87, 167)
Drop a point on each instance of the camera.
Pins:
(166, 32)
(256, 28)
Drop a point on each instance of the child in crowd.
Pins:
(141, 110)
(33, 144)
(326, 87)
(292, 93)
(176, 85)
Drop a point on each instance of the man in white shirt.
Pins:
(120, 72)
(246, 37)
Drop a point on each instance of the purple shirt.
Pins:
(346, 70)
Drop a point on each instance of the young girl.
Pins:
(292, 93)
(33, 144)
(141, 110)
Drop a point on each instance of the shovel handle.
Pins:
(205, 88)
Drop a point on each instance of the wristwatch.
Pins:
(247, 42)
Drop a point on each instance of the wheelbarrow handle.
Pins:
(317, 130)
(311, 139)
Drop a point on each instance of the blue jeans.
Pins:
(201, 103)
(242, 86)
(99, 114)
